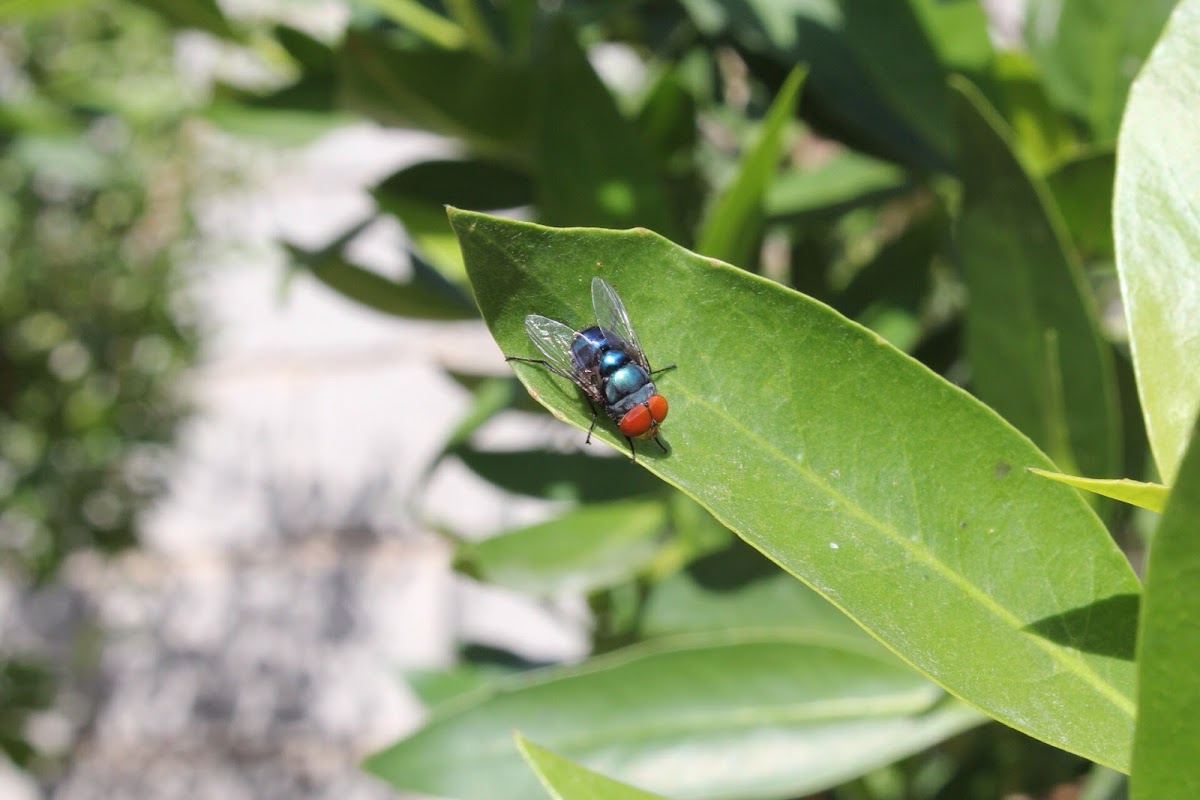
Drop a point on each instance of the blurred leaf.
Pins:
(593, 167)
(31, 9)
(477, 184)
(847, 180)
(1041, 134)
(587, 548)
(667, 118)
(417, 196)
(566, 780)
(734, 223)
(277, 126)
(873, 74)
(1158, 236)
(753, 716)
(439, 687)
(1090, 50)
(958, 31)
(887, 294)
(204, 15)
(559, 476)
(1032, 337)
(853, 467)
(1083, 192)
(1151, 496)
(488, 398)
(458, 93)
(425, 296)
(415, 16)
(1168, 725)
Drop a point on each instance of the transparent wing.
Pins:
(612, 317)
(554, 340)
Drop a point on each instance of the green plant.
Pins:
(946, 211)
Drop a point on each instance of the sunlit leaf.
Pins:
(1150, 496)
(892, 493)
(1157, 224)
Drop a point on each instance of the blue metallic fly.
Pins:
(607, 363)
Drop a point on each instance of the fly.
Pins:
(607, 363)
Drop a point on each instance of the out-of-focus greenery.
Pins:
(94, 329)
(953, 196)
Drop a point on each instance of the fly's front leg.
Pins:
(541, 362)
(660, 444)
(632, 450)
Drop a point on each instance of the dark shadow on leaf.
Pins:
(731, 568)
(1106, 627)
(560, 476)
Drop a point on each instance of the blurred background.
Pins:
(251, 428)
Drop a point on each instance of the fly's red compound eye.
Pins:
(637, 422)
(658, 407)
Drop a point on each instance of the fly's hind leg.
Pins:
(591, 427)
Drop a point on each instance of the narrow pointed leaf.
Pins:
(735, 221)
(751, 716)
(891, 492)
(1157, 224)
(566, 780)
(1032, 337)
(1151, 496)
(1168, 728)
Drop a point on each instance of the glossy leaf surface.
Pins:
(1164, 762)
(1032, 337)
(765, 715)
(894, 494)
(1157, 224)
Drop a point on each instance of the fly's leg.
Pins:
(592, 427)
(632, 451)
(658, 442)
(541, 362)
(662, 369)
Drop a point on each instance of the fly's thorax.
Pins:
(617, 410)
(626, 381)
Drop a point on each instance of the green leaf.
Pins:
(593, 166)
(1032, 337)
(847, 180)
(33, 9)
(575, 477)
(566, 780)
(1040, 132)
(1168, 727)
(1083, 192)
(873, 73)
(734, 223)
(418, 195)
(204, 15)
(1157, 226)
(426, 296)
(458, 93)
(1150, 496)
(584, 549)
(1090, 50)
(764, 716)
(414, 16)
(958, 32)
(854, 468)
